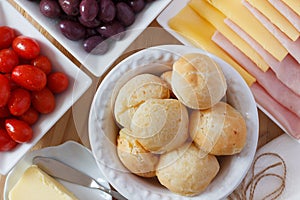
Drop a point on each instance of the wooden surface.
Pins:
(73, 124)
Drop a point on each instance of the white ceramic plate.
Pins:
(97, 64)
(73, 154)
(169, 12)
(103, 129)
(79, 83)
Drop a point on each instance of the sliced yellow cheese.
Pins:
(36, 185)
(199, 32)
(294, 5)
(216, 18)
(240, 15)
(266, 8)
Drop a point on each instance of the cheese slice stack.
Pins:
(199, 32)
(240, 15)
(216, 18)
(287, 12)
(275, 17)
(253, 35)
(36, 185)
(293, 4)
(293, 47)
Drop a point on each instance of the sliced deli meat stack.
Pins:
(288, 119)
(287, 71)
(293, 4)
(216, 19)
(293, 47)
(267, 10)
(267, 80)
(286, 11)
(244, 19)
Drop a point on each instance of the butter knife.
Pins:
(60, 170)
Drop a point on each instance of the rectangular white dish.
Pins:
(79, 82)
(65, 152)
(169, 12)
(96, 64)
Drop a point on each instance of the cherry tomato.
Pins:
(2, 123)
(30, 116)
(43, 63)
(4, 90)
(12, 84)
(18, 130)
(6, 143)
(4, 112)
(57, 82)
(26, 47)
(19, 101)
(8, 60)
(7, 36)
(29, 77)
(43, 100)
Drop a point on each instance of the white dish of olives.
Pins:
(98, 60)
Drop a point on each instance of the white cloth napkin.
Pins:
(289, 150)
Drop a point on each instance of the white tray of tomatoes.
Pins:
(36, 86)
(27, 86)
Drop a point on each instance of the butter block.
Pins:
(199, 32)
(36, 185)
(266, 8)
(240, 15)
(294, 5)
(216, 18)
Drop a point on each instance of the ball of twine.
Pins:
(248, 187)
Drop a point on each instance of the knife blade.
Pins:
(61, 170)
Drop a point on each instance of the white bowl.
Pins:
(97, 64)
(79, 82)
(66, 152)
(103, 129)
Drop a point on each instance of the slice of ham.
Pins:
(267, 80)
(293, 47)
(287, 71)
(288, 121)
(287, 12)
